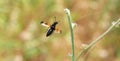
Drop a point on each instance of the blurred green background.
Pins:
(22, 38)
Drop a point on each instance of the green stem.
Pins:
(71, 31)
(98, 39)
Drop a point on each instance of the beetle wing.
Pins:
(58, 30)
(45, 24)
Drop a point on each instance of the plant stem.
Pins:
(71, 31)
(98, 39)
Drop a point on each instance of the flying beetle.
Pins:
(51, 28)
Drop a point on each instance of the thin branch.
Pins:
(98, 39)
(67, 11)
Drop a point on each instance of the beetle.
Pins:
(51, 28)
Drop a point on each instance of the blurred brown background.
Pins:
(22, 38)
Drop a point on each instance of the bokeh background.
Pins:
(22, 38)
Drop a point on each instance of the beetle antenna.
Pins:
(55, 18)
